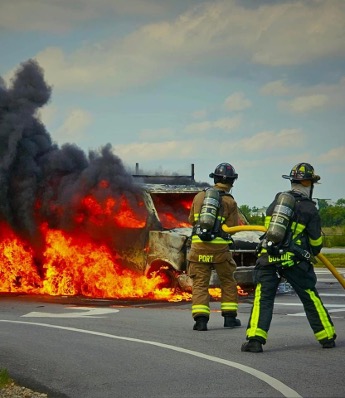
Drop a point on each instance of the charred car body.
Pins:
(161, 245)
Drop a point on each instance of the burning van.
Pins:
(106, 246)
(161, 245)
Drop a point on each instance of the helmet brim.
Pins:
(314, 180)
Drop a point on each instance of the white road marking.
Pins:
(300, 305)
(330, 307)
(332, 294)
(88, 313)
(330, 310)
(271, 381)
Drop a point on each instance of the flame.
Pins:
(73, 263)
(118, 211)
(72, 266)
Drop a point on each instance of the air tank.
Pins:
(209, 209)
(281, 216)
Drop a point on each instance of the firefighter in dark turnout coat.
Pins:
(203, 256)
(294, 262)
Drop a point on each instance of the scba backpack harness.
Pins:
(279, 240)
(209, 224)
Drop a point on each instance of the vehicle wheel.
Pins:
(166, 272)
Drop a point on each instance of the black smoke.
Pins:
(40, 181)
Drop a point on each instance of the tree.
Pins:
(245, 209)
(322, 203)
(251, 215)
(333, 216)
(340, 202)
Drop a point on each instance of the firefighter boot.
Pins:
(252, 345)
(328, 343)
(231, 322)
(200, 323)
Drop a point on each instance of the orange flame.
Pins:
(75, 264)
(72, 267)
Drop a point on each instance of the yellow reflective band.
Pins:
(229, 306)
(316, 242)
(216, 241)
(253, 329)
(329, 330)
(200, 309)
(267, 221)
(297, 228)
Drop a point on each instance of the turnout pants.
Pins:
(303, 280)
(200, 274)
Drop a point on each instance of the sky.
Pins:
(259, 84)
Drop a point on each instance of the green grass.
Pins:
(333, 236)
(4, 378)
(336, 259)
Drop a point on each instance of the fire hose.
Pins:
(320, 256)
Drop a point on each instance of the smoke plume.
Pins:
(40, 181)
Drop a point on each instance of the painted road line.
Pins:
(285, 390)
(88, 312)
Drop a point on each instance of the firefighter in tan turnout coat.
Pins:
(210, 250)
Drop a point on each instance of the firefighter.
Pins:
(291, 259)
(213, 253)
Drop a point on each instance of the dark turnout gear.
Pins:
(200, 323)
(252, 345)
(292, 260)
(231, 321)
(204, 256)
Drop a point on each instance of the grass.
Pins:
(4, 378)
(333, 236)
(336, 259)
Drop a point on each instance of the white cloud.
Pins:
(156, 135)
(237, 102)
(199, 127)
(186, 150)
(74, 126)
(269, 140)
(277, 87)
(275, 34)
(296, 32)
(47, 114)
(63, 15)
(226, 124)
(305, 103)
(199, 114)
(146, 151)
(335, 155)
(307, 98)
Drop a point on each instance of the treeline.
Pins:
(331, 215)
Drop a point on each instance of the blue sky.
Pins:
(168, 83)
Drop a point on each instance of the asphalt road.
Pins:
(100, 348)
